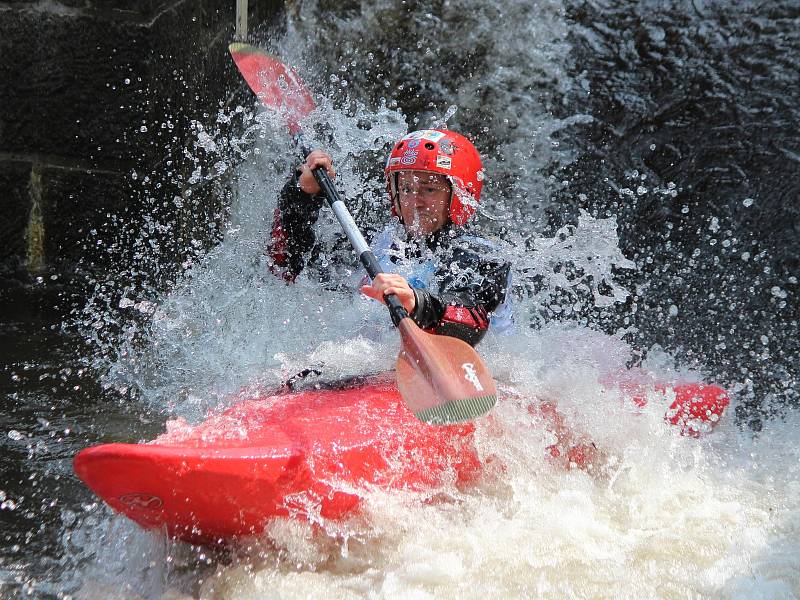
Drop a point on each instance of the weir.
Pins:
(87, 88)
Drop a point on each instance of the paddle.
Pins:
(442, 379)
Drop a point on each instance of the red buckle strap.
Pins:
(476, 318)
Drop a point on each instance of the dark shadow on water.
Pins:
(53, 406)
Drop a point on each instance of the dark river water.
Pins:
(679, 119)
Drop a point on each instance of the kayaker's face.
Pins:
(424, 201)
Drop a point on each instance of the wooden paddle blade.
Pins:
(441, 378)
(276, 85)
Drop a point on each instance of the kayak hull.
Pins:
(311, 455)
(308, 455)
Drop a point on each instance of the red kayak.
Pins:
(303, 455)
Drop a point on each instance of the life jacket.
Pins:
(420, 272)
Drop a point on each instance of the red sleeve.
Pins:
(292, 236)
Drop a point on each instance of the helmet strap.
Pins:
(395, 195)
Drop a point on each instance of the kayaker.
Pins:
(449, 282)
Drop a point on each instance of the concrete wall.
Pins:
(78, 81)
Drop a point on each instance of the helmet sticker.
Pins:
(446, 146)
(433, 136)
(409, 157)
(425, 134)
(444, 162)
(393, 161)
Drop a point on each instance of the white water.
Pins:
(671, 517)
(668, 517)
(711, 528)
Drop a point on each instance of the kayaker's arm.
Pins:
(463, 308)
(297, 211)
(292, 235)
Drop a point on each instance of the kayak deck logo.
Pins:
(141, 501)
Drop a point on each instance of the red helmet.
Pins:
(444, 152)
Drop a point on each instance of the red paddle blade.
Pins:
(276, 85)
(441, 378)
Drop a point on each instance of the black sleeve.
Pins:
(463, 306)
(292, 236)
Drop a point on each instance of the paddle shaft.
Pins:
(365, 255)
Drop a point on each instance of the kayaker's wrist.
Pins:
(415, 301)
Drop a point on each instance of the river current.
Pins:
(642, 163)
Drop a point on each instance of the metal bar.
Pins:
(241, 20)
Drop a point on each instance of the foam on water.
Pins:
(663, 516)
(668, 517)
(674, 520)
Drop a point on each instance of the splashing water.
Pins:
(707, 518)
(666, 517)
(666, 525)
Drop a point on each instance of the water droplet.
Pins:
(778, 292)
(748, 202)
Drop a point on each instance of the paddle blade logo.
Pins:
(471, 376)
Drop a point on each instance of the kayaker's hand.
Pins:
(317, 158)
(390, 283)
